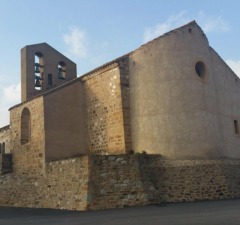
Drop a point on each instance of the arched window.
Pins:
(38, 71)
(25, 126)
(61, 70)
(3, 148)
(0, 148)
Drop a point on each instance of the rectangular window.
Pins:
(236, 128)
(50, 81)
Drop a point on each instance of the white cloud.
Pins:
(12, 93)
(208, 24)
(76, 42)
(234, 65)
(4, 114)
(212, 23)
(10, 96)
(161, 28)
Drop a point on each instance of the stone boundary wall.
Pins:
(99, 182)
(129, 180)
(116, 182)
(20, 191)
(64, 186)
(5, 138)
(67, 184)
(190, 180)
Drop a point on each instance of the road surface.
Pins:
(224, 212)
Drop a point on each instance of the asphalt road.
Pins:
(225, 212)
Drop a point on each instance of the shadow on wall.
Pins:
(7, 165)
(189, 180)
(117, 181)
(229, 178)
(153, 177)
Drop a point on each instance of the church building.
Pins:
(173, 98)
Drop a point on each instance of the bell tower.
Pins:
(43, 68)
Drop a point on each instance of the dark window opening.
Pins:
(50, 80)
(236, 128)
(3, 148)
(38, 71)
(25, 126)
(61, 70)
(200, 69)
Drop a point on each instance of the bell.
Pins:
(37, 70)
(37, 67)
(37, 82)
(61, 75)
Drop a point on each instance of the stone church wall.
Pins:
(5, 139)
(99, 182)
(103, 111)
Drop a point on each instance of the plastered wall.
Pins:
(176, 113)
(64, 123)
(227, 86)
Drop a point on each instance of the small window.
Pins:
(236, 128)
(0, 148)
(200, 69)
(50, 80)
(61, 70)
(3, 148)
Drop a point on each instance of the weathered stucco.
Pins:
(173, 111)
(64, 126)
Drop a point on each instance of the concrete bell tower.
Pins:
(43, 68)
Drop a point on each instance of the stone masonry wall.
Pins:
(115, 182)
(29, 157)
(19, 190)
(104, 113)
(5, 138)
(67, 184)
(125, 92)
(64, 186)
(190, 180)
(99, 182)
(129, 180)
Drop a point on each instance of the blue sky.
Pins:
(92, 32)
